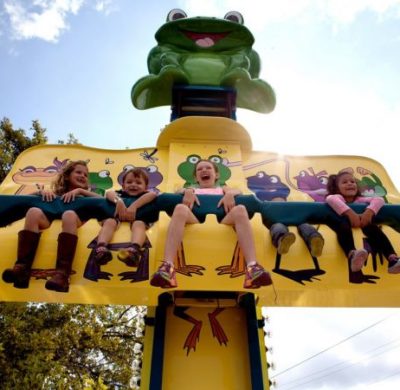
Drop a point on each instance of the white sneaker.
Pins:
(357, 260)
(395, 267)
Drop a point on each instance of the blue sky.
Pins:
(334, 65)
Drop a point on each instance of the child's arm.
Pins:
(372, 209)
(71, 195)
(339, 205)
(147, 197)
(120, 208)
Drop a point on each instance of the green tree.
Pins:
(59, 346)
(70, 140)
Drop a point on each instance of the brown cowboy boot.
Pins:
(65, 255)
(20, 274)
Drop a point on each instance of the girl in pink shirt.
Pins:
(206, 174)
(342, 189)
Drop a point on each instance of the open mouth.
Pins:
(205, 39)
(205, 177)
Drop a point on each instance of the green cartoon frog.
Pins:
(204, 51)
(100, 182)
(186, 170)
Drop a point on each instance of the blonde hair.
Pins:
(61, 184)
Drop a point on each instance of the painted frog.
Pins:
(204, 51)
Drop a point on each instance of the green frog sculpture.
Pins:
(204, 51)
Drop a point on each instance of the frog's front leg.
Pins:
(237, 69)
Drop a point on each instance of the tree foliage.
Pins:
(59, 346)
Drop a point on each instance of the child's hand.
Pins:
(190, 198)
(228, 201)
(353, 217)
(130, 214)
(366, 217)
(47, 195)
(120, 210)
(71, 195)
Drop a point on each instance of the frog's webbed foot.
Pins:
(253, 94)
(234, 77)
(228, 270)
(190, 269)
(216, 328)
(155, 90)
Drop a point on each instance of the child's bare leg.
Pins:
(35, 220)
(102, 253)
(107, 231)
(138, 235)
(181, 216)
(256, 276)
(239, 218)
(70, 222)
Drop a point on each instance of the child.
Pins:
(70, 183)
(206, 174)
(342, 189)
(134, 190)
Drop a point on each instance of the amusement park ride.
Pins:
(208, 332)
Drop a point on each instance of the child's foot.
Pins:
(130, 256)
(102, 255)
(357, 259)
(256, 276)
(394, 265)
(285, 242)
(165, 277)
(316, 245)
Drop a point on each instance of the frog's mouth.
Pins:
(204, 39)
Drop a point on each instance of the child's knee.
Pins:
(69, 216)
(34, 213)
(239, 211)
(181, 211)
(139, 225)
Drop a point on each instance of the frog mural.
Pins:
(33, 178)
(371, 186)
(204, 51)
(186, 169)
(100, 181)
(267, 187)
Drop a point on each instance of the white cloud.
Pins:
(43, 19)
(105, 6)
(47, 19)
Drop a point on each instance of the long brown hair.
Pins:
(61, 184)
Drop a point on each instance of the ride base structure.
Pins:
(209, 323)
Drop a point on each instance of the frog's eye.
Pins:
(215, 159)
(176, 14)
(104, 174)
(234, 16)
(260, 175)
(151, 169)
(128, 167)
(323, 180)
(274, 179)
(193, 159)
